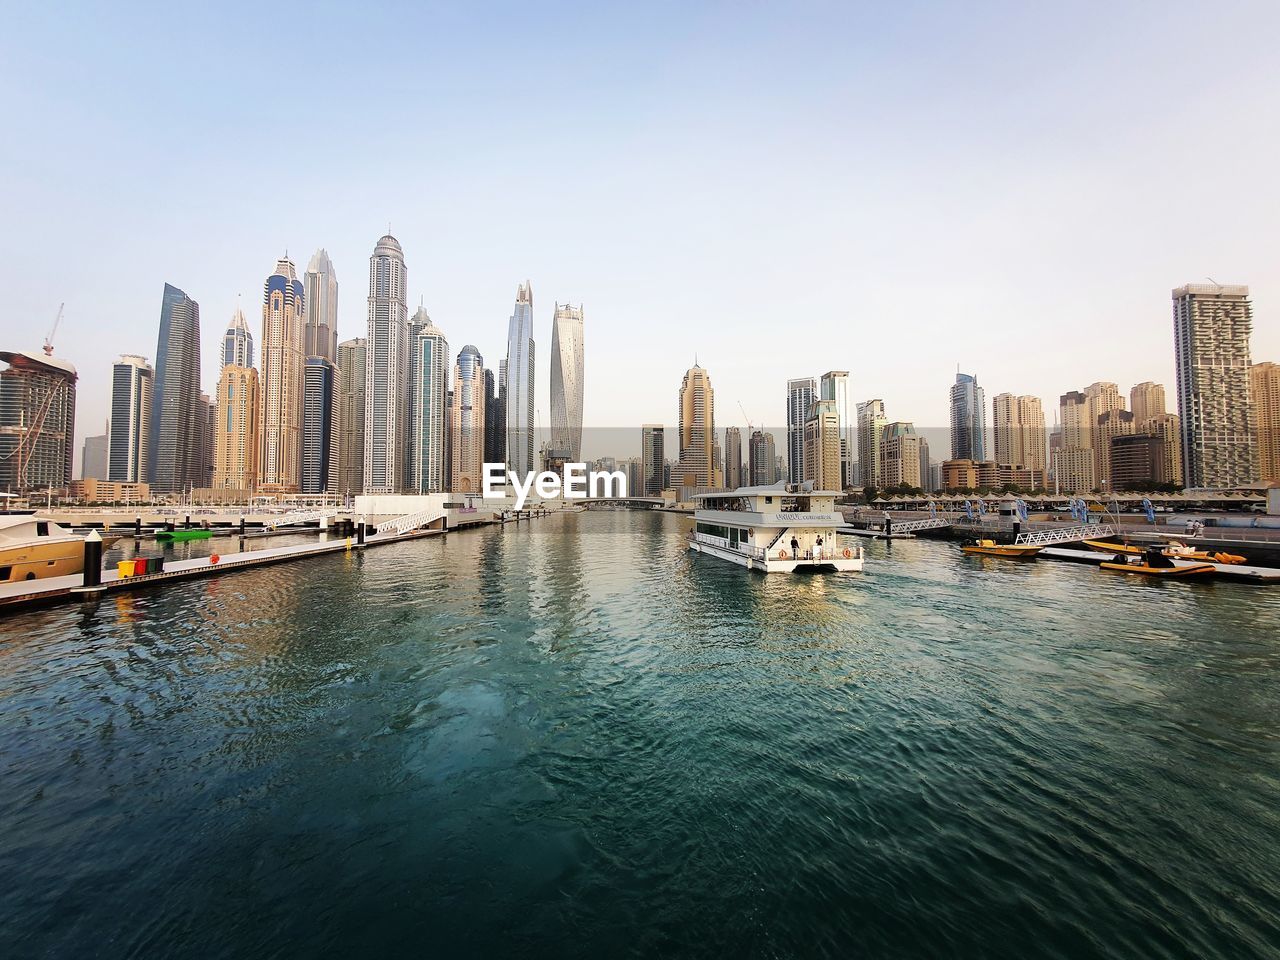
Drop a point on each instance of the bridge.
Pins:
(1044, 538)
(912, 526)
(304, 516)
(410, 521)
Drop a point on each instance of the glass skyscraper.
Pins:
(968, 419)
(174, 448)
(428, 412)
(387, 370)
(800, 395)
(566, 383)
(520, 383)
(131, 383)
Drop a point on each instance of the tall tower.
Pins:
(280, 425)
(761, 459)
(1264, 384)
(520, 382)
(131, 383)
(235, 432)
(834, 386)
(697, 430)
(1212, 324)
(428, 411)
(320, 333)
(37, 421)
(900, 446)
(1146, 400)
(871, 421)
(466, 421)
(174, 448)
(1018, 428)
(237, 342)
(318, 447)
(822, 445)
(566, 382)
(495, 433)
(652, 460)
(800, 396)
(733, 458)
(386, 400)
(968, 419)
(350, 403)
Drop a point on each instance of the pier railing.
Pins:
(1088, 531)
(410, 521)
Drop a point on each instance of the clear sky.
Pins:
(786, 188)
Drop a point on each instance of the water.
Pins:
(573, 739)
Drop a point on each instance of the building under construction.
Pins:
(37, 422)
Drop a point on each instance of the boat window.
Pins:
(4, 573)
(42, 528)
(768, 499)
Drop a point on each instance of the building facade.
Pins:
(652, 459)
(968, 419)
(1137, 462)
(236, 441)
(900, 456)
(800, 396)
(1110, 424)
(1018, 430)
(131, 385)
(174, 448)
(37, 421)
(352, 359)
(495, 433)
(1212, 324)
(519, 383)
(762, 460)
(1146, 401)
(280, 423)
(386, 371)
(871, 422)
(822, 446)
(1264, 386)
(834, 386)
(318, 448)
(428, 405)
(697, 431)
(466, 422)
(733, 458)
(237, 342)
(567, 382)
(320, 298)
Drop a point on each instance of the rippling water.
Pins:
(572, 738)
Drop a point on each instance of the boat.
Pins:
(784, 528)
(989, 548)
(1183, 552)
(177, 536)
(1154, 563)
(1106, 547)
(34, 549)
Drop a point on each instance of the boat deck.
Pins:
(1230, 571)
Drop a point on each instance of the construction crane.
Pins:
(48, 341)
(745, 417)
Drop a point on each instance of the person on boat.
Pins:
(819, 548)
(795, 548)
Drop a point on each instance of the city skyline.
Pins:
(793, 227)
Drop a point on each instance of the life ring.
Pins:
(215, 558)
(782, 554)
(847, 553)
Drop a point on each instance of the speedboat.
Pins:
(1183, 552)
(1154, 563)
(33, 549)
(783, 528)
(989, 548)
(176, 536)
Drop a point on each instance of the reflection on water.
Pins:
(572, 737)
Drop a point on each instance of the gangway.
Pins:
(911, 526)
(410, 521)
(1088, 531)
(304, 516)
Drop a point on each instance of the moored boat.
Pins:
(989, 548)
(1154, 563)
(1106, 547)
(774, 529)
(177, 536)
(33, 549)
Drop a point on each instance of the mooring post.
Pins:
(93, 559)
(242, 526)
(137, 526)
(360, 532)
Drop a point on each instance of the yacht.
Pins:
(777, 529)
(32, 549)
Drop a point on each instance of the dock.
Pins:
(1229, 571)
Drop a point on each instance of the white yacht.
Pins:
(778, 529)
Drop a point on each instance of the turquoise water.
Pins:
(572, 738)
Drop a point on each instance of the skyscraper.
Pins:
(1167, 427)
(131, 383)
(235, 435)
(352, 362)
(37, 421)
(653, 458)
(1212, 324)
(1073, 461)
(762, 459)
(320, 287)
(871, 421)
(697, 431)
(1110, 424)
(834, 386)
(386, 400)
(1018, 426)
(968, 419)
(466, 421)
(900, 456)
(567, 382)
(1146, 400)
(93, 461)
(822, 446)
(174, 448)
(428, 406)
(318, 379)
(520, 383)
(237, 342)
(733, 458)
(1264, 385)
(495, 432)
(280, 425)
(800, 396)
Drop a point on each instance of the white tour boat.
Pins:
(776, 529)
